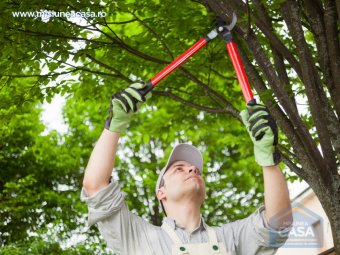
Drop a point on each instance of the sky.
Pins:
(52, 115)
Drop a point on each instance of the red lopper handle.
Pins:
(241, 74)
(178, 61)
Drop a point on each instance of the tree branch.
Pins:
(127, 47)
(312, 83)
(292, 166)
(191, 104)
(281, 94)
(221, 8)
(231, 78)
(88, 27)
(293, 127)
(210, 91)
(316, 18)
(278, 58)
(325, 31)
(296, 130)
(118, 74)
(166, 48)
(119, 23)
(333, 46)
(73, 38)
(37, 75)
(114, 42)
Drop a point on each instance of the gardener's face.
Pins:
(183, 180)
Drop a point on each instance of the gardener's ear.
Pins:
(161, 193)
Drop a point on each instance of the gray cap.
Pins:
(185, 152)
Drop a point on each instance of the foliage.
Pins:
(39, 179)
(86, 60)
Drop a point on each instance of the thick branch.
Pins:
(338, 8)
(275, 83)
(324, 27)
(333, 44)
(314, 92)
(278, 58)
(298, 135)
(220, 8)
(296, 129)
(322, 32)
(279, 46)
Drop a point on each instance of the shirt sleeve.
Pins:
(253, 236)
(123, 231)
(103, 203)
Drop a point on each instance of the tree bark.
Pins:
(318, 70)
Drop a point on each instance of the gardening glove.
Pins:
(263, 132)
(123, 106)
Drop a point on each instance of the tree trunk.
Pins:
(329, 197)
(315, 160)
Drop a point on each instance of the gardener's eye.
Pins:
(179, 168)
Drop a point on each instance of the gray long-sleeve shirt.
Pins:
(129, 234)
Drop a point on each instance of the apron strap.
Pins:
(211, 234)
(213, 243)
(171, 233)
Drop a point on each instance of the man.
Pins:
(181, 191)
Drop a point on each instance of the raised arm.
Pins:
(276, 196)
(101, 162)
(264, 134)
(99, 168)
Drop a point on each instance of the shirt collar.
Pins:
(172, 223)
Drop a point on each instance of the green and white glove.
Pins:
(263, 132)
(124, 104)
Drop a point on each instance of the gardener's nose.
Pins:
(193, 169)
